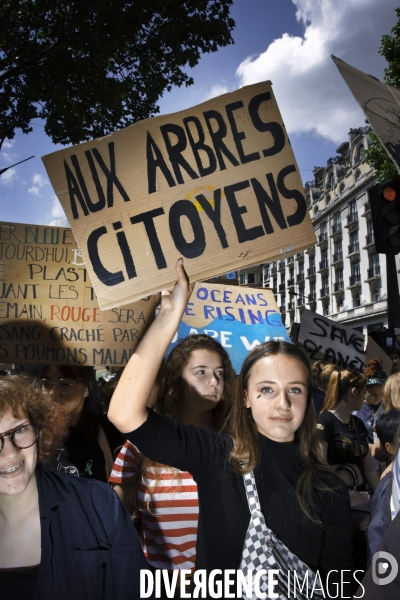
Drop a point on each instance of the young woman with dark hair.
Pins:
(196, 385)
(270, 429)
(89, 448)
(60, 537)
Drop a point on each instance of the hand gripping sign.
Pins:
(216, 184)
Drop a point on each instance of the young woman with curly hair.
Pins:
(60, 537)
(270, 430)
(195, 387)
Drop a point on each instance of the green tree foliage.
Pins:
(376, 156)
(90, 67)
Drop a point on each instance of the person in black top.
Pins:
(89, 449)
(270, 430)
(61, 537)
(343, 436)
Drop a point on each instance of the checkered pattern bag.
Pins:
(263, 550)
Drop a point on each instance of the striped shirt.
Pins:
(168, 536)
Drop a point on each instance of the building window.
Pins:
(309, 201)
(315, 210)
(356, 299)
(361, 152)
(251, 278)
(357, 175)
(328, 198)
(331, 180)
(243, 280)
(342, 188)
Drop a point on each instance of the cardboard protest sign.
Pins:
(239, 318)
(379, 102)
(216, 184)
(332, 342)
(48, 308)
(373, 350)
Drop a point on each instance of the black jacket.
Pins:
(90, 547)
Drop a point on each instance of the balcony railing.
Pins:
(323, 264)
(324, 292)
(290, 282)
(355, 279)
(300, 277)
(352, 217)
(291, 306)
(311, 271)
(290, 259)
(337, 257)
(312, 297)
(274, 270)
(323, 237)
(374, 272)
(369, 239)
(354, 247)
(338, 286)
(300, 302)
(281, 265)
(336, 228)
(283, 308)
(281, 287)
(300, 255)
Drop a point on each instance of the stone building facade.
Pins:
(342, 276)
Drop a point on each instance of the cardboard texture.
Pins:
(379, 102)
(373, 350)
(239, 318)
(331, 342)
(216, 184)
(48, 308)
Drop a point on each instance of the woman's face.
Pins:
(374, 394)
(277, 392)
(203, 379)
(67, 391)
(17, 466)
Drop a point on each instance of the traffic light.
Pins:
(384, 199)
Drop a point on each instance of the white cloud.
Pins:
(311, 94)
(38, 182)
(56, 210)
(216, 90)
(8, 177)
(8, 143)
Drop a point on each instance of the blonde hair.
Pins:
(391, 392)
(339, 383)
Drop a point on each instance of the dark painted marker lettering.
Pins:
(243, 234)
(185, 208)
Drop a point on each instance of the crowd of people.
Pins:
(182, 465)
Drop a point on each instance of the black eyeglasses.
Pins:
(61, 385)
(23, 436)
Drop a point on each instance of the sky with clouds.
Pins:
(288, 42)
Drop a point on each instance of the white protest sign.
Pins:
(331, 342)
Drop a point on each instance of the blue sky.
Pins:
(286, 41)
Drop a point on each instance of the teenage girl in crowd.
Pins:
(373, 403)
(196, 388)
(344, 441)
(272, 431)
(61, 537)
(89, 449)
